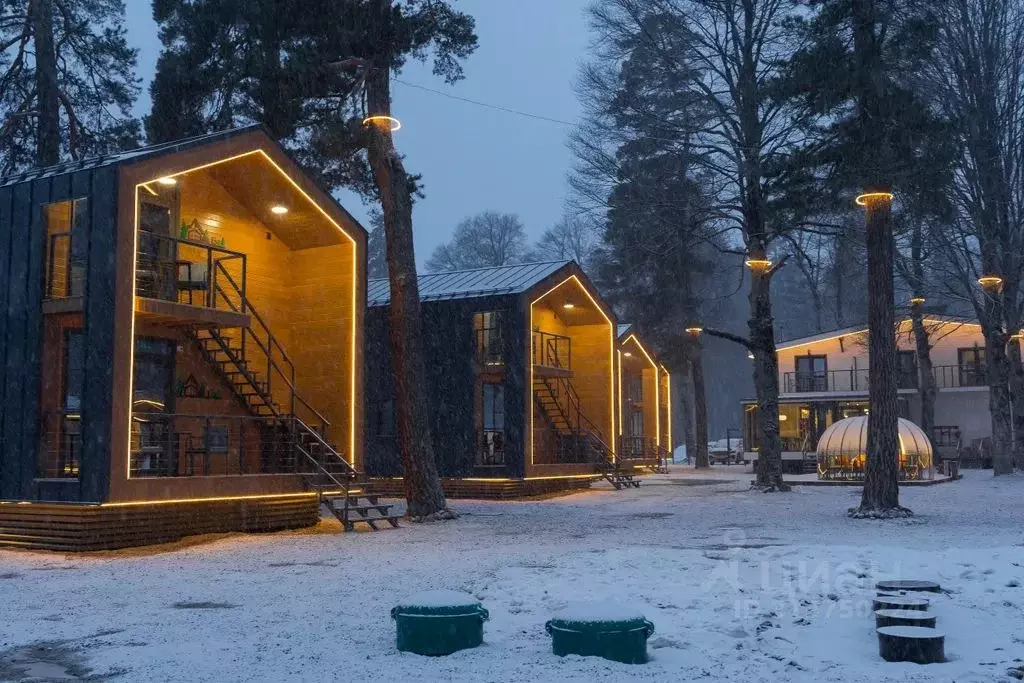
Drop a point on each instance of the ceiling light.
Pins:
(279, 209)
(568, 306)
(167, 181)
(627, 354)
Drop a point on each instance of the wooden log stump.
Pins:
(899, 602)
(911, 644)
(908, 585)
(904, 617)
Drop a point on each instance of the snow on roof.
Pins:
(859, 329)
(624, 329)
(468, 284)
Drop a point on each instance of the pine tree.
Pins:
(67, 82)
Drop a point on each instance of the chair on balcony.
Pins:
(193, 277)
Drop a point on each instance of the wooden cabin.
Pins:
(521, 376)
(643, 403)
(180, 338)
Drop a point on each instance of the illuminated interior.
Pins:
(842, 450)
(572, 371)
(639, 402)
(236, 254)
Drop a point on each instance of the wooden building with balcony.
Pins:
(824, 378)
(644, 403)
(180, 335)
(521, 376)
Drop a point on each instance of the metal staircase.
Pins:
(262, 378)
(578, 439)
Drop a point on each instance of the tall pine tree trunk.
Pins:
(766, 380)
(926, 389)
(684, 395)
(881, 473)
(423, 490)
(700, 409)
(47, 92)
(997, 372)
(1016, 371)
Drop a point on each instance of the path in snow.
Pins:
(741, 586)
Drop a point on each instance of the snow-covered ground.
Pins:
(741, 586)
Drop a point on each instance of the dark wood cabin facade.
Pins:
(644, 403)
(175, 323)
(521, 375)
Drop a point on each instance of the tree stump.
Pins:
(893, 586)
(911, 644)
(899, 602)
(904, 617)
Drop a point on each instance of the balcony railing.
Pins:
(552, 350)
(956, 376)
(60, 445)
(838, 381)
(492, 448)
(637, 448)
(190, 272)
(488, 348)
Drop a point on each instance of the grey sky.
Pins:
(474, 159)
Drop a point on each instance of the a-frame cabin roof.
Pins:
(469, 284)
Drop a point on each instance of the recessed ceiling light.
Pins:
(568, 306)
(627, 354)
(279, 209)
(167, 181)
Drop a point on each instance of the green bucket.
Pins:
(600, 630)
(437, 623)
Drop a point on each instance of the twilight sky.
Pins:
(472, 158)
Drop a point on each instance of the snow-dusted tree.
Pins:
(486, 239)
(67, 81)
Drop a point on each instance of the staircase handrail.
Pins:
(349, 469)
(267, 349)
(584, 425)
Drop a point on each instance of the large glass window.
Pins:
(153, 440)
(492, 447)
(811, 373)
(486, 326)
(971, 364)
(61, 439)
(67, 247)
(906, 369)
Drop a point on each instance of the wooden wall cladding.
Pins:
(497, 489)
(41, 526)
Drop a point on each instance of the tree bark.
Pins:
(685, 399)
(766, 381)
(423, 491)
(1017, 401)
(47, 88)
(926, 389)
(997, 373)
(700, 409)
(881, 495)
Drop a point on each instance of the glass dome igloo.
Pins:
(842, 450)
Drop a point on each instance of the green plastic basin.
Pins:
(437, 623)
(601, 630)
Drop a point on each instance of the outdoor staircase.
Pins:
(557, 398)
(262, 378)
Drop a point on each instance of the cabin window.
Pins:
(487, 329)
(634, 388)
(971, 366)
(67, 247)
(492, 445)
(906, 369)
(60, 454)
(152, 432)
(636, 423)
(812, 373)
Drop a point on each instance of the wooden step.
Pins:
(372, 522)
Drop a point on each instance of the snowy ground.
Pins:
(741, 586)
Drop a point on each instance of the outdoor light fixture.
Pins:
(758, 264)
(568, 306)
(627, 354)
(168, 182)
(750, 355)
(383, 120)
(782, 418)
(279, 209)
(917, 300)
(694, 330)
(990, 281)
(868, 197)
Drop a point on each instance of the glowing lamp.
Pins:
(750, 355)
(782, 418)
(627, 354)
(694, 330)
(869, 197)
(167, 182)
(382, 120)
(917, 300)
(990, 281)
(759, 265)
(279, 209)
(1018, 336)
(568, 306)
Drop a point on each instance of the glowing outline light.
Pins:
(668, 410)
(379, 119)
(694, 330)
(657, 401)
(917, 300)
(990, 281)
(611, 358)
(758, 264)
(355, 288)
(867, 197)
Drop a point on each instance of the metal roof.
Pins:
(469, 284)
(623, 329)
(122, 157)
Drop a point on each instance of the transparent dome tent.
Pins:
(842, 451)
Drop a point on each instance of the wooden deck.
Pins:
(492, 489)
(174, 314)
(81, 527)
